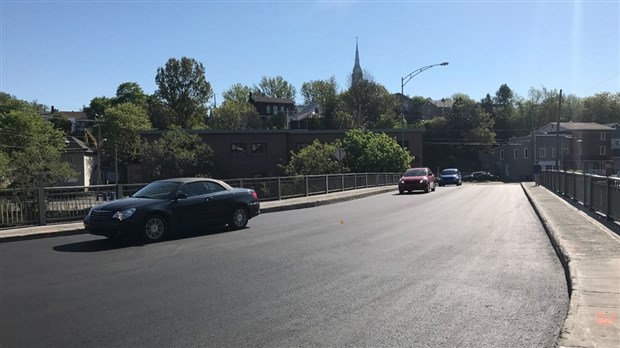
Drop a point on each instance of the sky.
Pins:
(65, 53)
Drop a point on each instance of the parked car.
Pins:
(417, 179)
(166, 206)
(483, 176)
(450, 176)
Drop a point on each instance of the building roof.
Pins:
(574, 126)
(304, 112)
(260, 99)
(77, 144)
(443, 103)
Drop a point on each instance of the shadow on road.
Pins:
(90, 246)
(105, 244)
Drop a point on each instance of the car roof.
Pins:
(188, 180)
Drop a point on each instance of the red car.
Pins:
(417, 179)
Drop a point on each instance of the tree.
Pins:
(184, 88)
(503, 96)
(275, 87)
(97, 107)
(278, 121)
(237, 93)
(366, 100)
(469, 123)
(325, 93)
(30, 147)
(61, 122)
(120, 128)
(601, 108)
(372, 152)
(315, 159)
(130, 92)
(177, 153)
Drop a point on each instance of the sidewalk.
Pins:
(590, 253)
(54, 230)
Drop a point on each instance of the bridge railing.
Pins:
(596, 192)
(39, 206)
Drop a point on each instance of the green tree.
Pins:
(278, 121)
(233, 114)
(237, 93)
(325, 93)
(30, 147)
(130, 92)
(61, 122)
(469, 123)
(275, 87)
(183, 87)
(601, 108)
(121, 128)
(177, 153)
(373, 152)
(366, 100)
(97, 107)
(315, 159)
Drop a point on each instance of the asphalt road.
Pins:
(465, 266)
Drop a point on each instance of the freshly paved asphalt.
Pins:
(467, 266)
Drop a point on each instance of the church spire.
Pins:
(357, 75)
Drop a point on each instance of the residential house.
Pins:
(615, 146)
(584, 146)
(82, 159)
(436, 108)
(267, 107)
(303, 114)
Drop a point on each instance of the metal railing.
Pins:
(596, 192)
(40, 206)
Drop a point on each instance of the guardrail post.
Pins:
(279, 188)
(326, 183)
(574, 186)
(306, 185)
(119, 191)
(608, 203)
(366, 180)
(241, 182)
(591, 193)
(42, 206)
(342, 179)
(584, 188)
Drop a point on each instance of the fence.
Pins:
(599, 193)
(44, 205)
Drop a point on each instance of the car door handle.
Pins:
(208, 199)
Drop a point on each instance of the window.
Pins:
(526, 154)
(259, 148)
(275, 109)
(603, 136)
(501, 155)
(542, 152)
(602, 150)
(516, 153)
(553, 152)
(70, 160)
(194, 189)
(214, 187)
(238, 149)
(268, 109)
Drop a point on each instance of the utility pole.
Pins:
(557, 141)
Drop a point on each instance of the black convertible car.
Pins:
(171, 205)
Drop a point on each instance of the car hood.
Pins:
(125, 203)
(414, 178)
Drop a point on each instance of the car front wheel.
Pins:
(238, 218)
(154, 229)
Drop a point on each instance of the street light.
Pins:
(403, 82)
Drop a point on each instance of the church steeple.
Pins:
(357, 75)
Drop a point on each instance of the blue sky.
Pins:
(64, 53)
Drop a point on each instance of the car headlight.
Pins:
(402, 181)
(422, 181)
(124, 214)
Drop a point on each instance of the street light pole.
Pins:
(403, 82)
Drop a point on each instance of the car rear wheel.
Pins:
(238, 218)
(154, 229)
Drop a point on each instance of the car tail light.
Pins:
(254, 194)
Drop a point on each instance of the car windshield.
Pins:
(449, 172)
(156, 190)
(415, 172)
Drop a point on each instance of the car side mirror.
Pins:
(181, 195)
